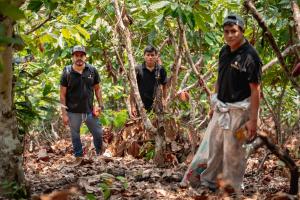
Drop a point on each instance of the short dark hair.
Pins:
(150, 49)
(232, 24)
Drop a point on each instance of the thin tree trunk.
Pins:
(281, 138)
(125, 34)
(10, 144)
(185, 79)
(160, 143)
(251, 7)
(187, 75)
(191, 62)
(296, 14)
(176, 65)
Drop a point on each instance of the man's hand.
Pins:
(65, 119)
(251, 127)
(96, 111)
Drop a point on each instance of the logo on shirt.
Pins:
(90, 76)
(237, 66)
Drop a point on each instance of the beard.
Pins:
(79, 62)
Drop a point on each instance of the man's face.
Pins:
(79, 58)
(150, 58)
(233, 36)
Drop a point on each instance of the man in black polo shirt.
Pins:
(235, 105)
(150, 75)
(78, 84)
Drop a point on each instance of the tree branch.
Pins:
(287, 51)
(187, 75)
(191, 62)
(40, 25)
(250, 6)
(163, 44)
(177, 63)
(284, 156)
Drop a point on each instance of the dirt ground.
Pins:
(51, 171)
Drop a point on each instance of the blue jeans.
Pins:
(94, 126)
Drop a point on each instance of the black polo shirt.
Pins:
(236, 70)
(147, 83)
(80, 88)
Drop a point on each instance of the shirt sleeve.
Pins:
(163, 76)
(63, 79)
(254, 69)
(97, 79)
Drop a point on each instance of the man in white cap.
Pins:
(235, 104)
(79, 82)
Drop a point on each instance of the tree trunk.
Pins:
(296, 14)
(125, 34)
(160, 143)
(10, 144)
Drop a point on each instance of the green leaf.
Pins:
(200, 23)
(11, 11)
(120, 118)
(105, 190)
(208, 40)
(35, 5)
(189, 19)
(50, 99)
(50, 4)
(159, 5)
(66, 33)
(123, 180)
(83, 32)
(104, 118)
(47, 109)
(47, 89)
(90, 197)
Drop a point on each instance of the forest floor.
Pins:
(50, 171)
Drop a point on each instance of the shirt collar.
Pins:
(144, 66)
(240, 49)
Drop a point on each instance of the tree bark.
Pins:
(125, 34)
(249, 5)
(176, 66)
(10, 144)
(160, 143)
(296, 14)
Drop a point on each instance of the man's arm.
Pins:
(254, 105)
(63, 93)
(211, 110)
(98, 94)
